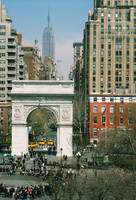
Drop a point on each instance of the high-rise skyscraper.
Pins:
(12, 67)
(109, 71)
(48, 43)
(110, 43)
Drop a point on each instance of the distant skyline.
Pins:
(67, 20)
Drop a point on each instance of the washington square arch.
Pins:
(56, 96)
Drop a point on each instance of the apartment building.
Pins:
(110, 49)
(11, 66)
(33, 61)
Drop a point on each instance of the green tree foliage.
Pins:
(78, 122)
(41, 120)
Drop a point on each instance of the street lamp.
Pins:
(78, 155)
(61, 149)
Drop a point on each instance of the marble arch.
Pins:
(56, 96)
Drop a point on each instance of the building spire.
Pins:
(0, 10)
(48, 17)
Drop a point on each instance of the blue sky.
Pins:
(67, 20)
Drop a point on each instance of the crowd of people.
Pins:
(28, 192)
(54, 181)
(49, 177)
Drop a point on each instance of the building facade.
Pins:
(48, 42)
(110, 112)
(109, 56)
(48, 70)
(110, 42)
(11, 66)
(33, 61)
(78, 65)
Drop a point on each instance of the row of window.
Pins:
(111, 120)
(112, 108)
(112, 99)
(117, 27)
(118, 66)
(2, 33)
(2, 27)
(2, 40)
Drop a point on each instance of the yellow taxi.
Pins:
(50, 143)
(33, 144)
(41, 143)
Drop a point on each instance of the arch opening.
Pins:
(42, 130)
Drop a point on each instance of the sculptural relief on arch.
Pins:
(56, 96)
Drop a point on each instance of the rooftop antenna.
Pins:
(0, 10)
(48, 17)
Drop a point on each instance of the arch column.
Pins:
(64, 140)
(19, 139)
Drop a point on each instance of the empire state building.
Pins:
(48, 43)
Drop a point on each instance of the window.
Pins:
(131, 3)
(2, 40)
(121, 109)
(108, 3)
(2, 75)
(95, 119)
(95, 109)
(95, 99)
(103, 109)
(94, 66)
(126, 3)
(2, 33)
(94, 27)
(94, 72)
(101, 66)
(121, 120)
(103, 98)
(94, 59)
(130, 120)
(103, 120)
(109, 27)
(94, 85)
(111, 120)
(2, 47)
(102, 20)
(127, 27)
(2, 82)
(2, 69)
(95, 131)
(130, 108)
(111, 109)
(130, 99)
(121, 99)
(2, 61)
(2, 89)
(111, 99)
(102, 14)
(2, 27)
(109, 72)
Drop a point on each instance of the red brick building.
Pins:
(110, 112)
(5, 121)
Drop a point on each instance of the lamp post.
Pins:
(78, 155)
(61, 149)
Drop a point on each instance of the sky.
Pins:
(67, 18)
